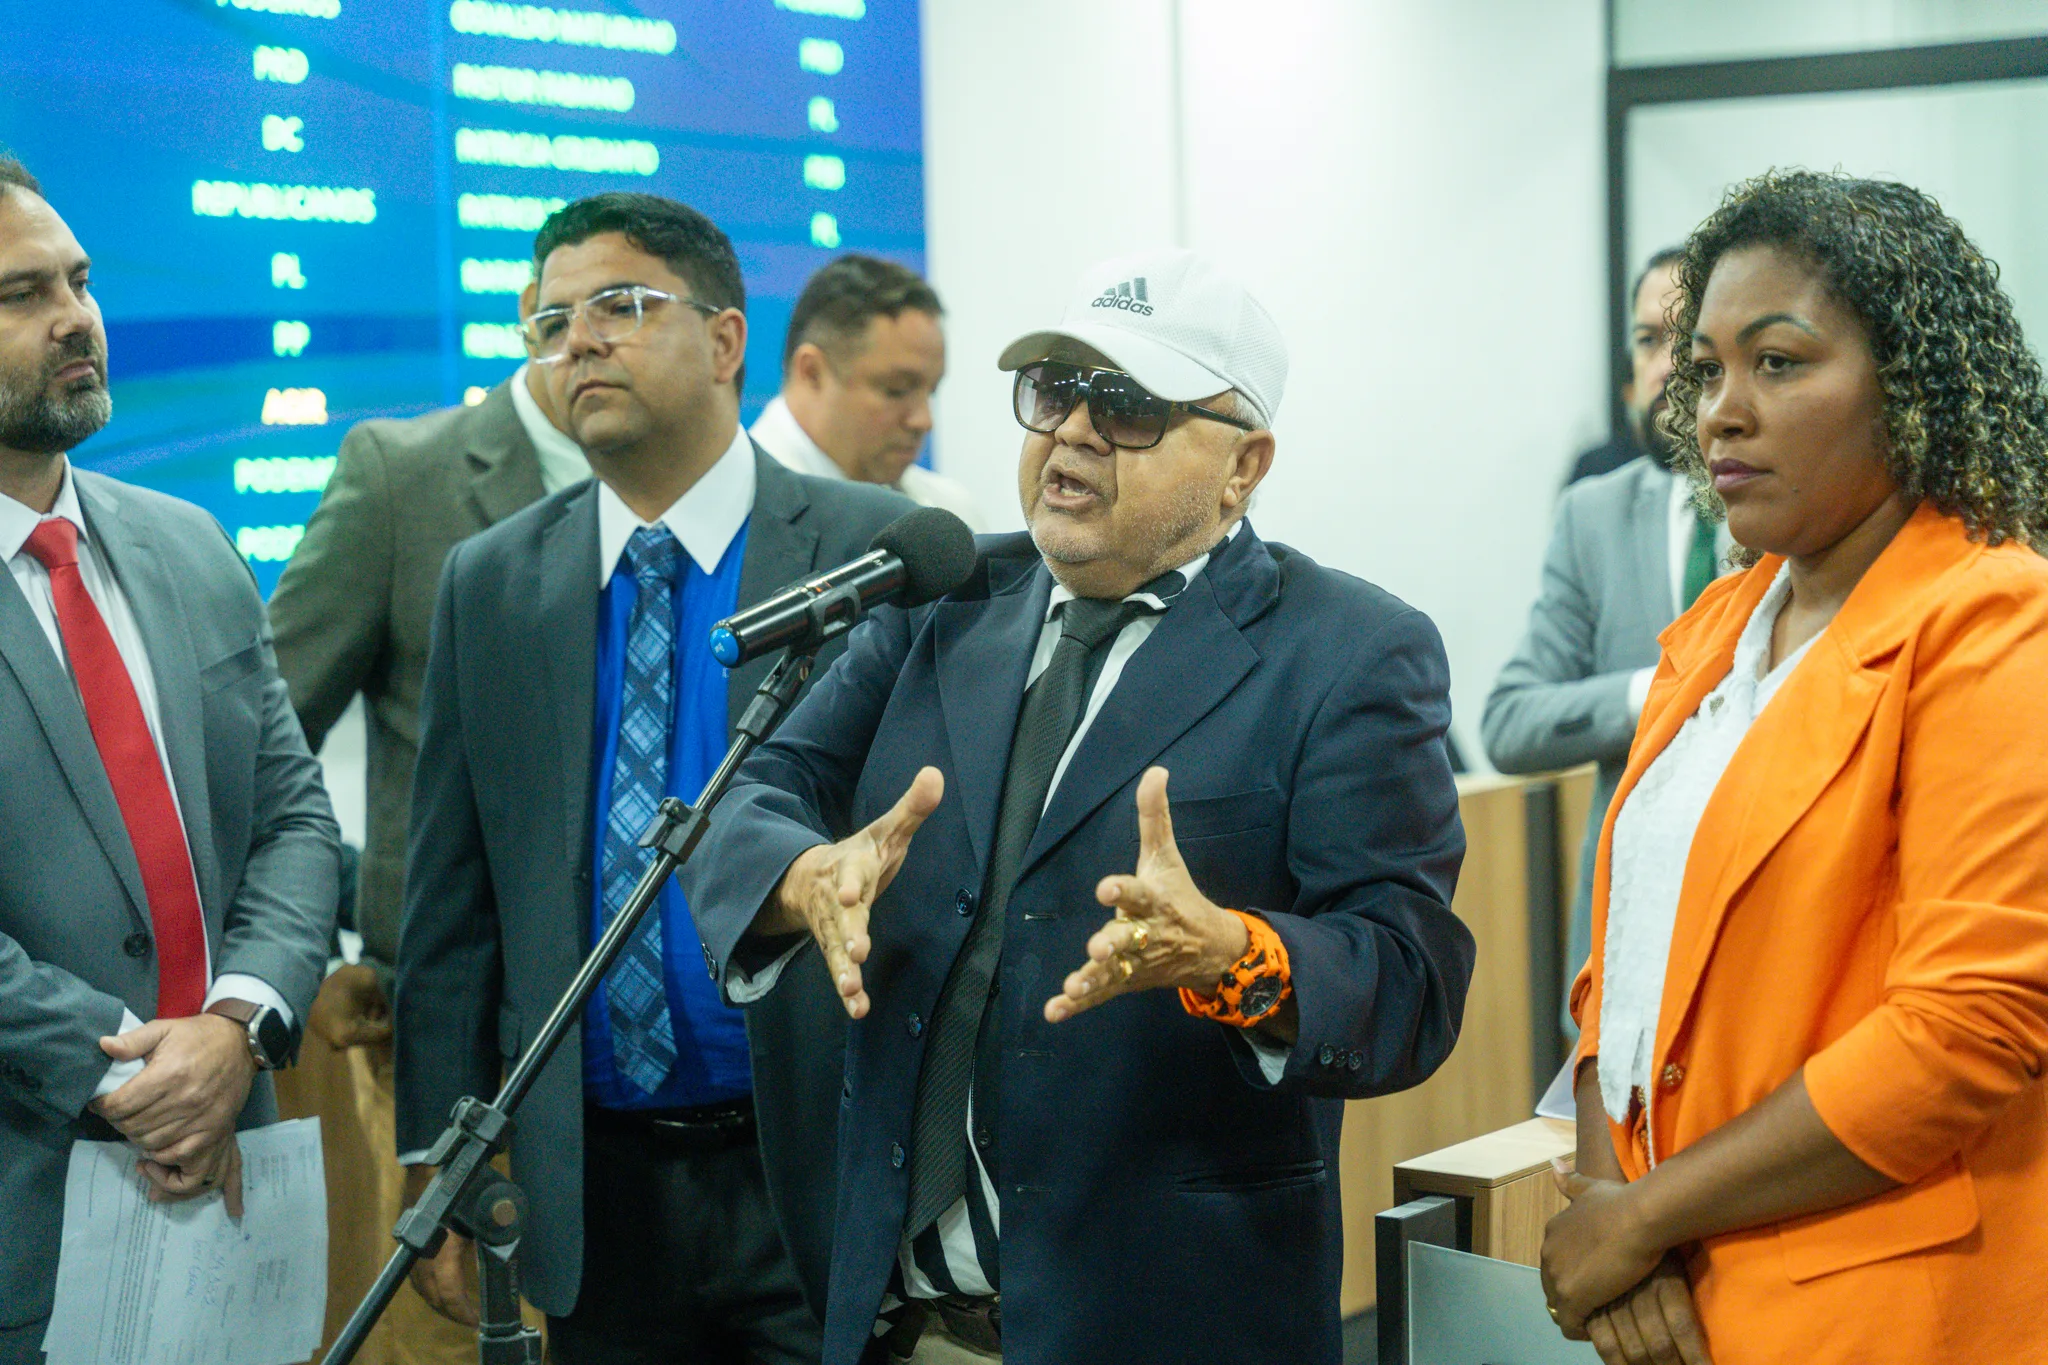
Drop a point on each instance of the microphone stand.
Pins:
(467, 1194)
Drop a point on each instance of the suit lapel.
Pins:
(1653, 547)
(161, 618)
(1156, 700)
(26, 652)
(568, 642)
(984, 650)
(504, 468)
(1194, 658)
(1797, 746)
(780, 550)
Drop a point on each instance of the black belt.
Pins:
(699, 1128)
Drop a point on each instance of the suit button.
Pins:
(846, 1088)
(981, 1139)
(896, 1155)
(1674, 1075)
(1327, 1056)
(1356, 1061)
(963, 901)
(914, 1024)
(136, 945)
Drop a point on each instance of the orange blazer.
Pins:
(1867, 899)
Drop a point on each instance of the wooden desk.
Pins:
(1489, 1082)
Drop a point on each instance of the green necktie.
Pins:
(1699, 560)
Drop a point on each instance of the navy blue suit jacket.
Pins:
(1161, 1200)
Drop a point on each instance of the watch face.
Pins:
(1259, 997)
(273, 1038)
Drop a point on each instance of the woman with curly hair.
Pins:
(1812, 1125)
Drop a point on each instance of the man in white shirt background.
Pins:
(864, 353)
(1628, 553)
(166, 849)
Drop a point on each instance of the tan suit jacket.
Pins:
(354, 608)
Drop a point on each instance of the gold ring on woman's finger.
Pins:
(1123, 965)
(1141, 935)
(1553, 1315)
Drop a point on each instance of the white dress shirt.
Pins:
(782, 436)
(1652, 841)
(18, 522)
(704, 520)
(562, 461)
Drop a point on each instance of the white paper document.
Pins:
(183, 1284)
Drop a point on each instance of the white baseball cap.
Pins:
(1175, 323)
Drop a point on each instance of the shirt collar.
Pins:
(1188, 572)
(562, 461)
(705, 519)
(18, 520)
(782, 436)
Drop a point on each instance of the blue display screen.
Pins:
(305, 213)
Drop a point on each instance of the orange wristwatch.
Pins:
(1255, 984)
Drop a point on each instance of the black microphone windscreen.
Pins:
(936, 548)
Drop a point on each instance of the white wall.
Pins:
(1414, 191)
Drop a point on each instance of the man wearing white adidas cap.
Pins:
(1095, 1081)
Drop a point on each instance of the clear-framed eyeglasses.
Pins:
(609, 315)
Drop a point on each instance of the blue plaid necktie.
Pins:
(636, 992)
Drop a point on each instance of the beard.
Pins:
(1656, 444)
(36, 422)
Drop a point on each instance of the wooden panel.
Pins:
(1485, 1085)
(1506, 1175)
(1574, 799)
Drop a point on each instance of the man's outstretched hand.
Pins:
(1165, 933)
(829, 890)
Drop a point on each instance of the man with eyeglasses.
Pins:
(1102, 1041)
(352, 613)
(570, 687)
(860, 362)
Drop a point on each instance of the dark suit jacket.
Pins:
(499, 882)
(76, 943)
(354, 607)
(1161, 1200)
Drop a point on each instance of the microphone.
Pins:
(920, 556)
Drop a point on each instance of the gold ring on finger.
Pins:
(1553, 1315)
(1123, 964)
(1141, 935)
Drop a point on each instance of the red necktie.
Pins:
(135, 772)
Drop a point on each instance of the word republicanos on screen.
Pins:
(296, 203)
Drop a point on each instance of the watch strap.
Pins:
(250, 1017)
(1255, 984)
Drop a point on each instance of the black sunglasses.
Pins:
(1123, 412)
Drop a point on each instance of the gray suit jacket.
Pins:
(498, 890)
(1562, 700)
(354, 607)
(75, 944)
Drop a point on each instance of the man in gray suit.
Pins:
(166, 850)
(569, 686)
(1628, 553)
(352, 614)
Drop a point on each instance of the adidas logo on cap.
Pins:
(1127, 297)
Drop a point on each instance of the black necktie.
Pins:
(1052, 709)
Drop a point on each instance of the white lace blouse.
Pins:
(1652, 841)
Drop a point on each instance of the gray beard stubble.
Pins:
(33, 421)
